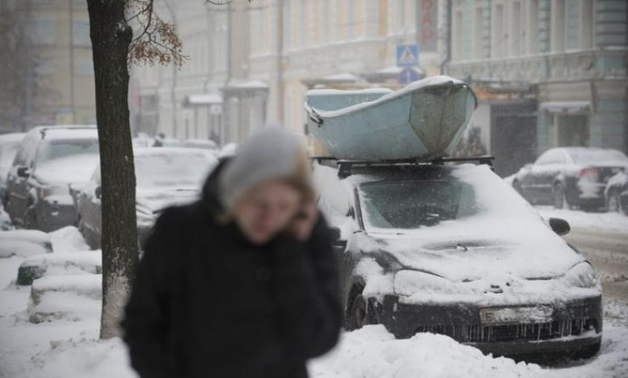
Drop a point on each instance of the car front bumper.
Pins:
(574, 325)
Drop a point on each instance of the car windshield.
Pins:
(415, 204)
(171, 170)
(7, 153)
(598, 156)
(62, 148)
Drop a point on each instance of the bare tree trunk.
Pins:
(111, 37)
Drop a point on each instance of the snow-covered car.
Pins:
(570, 177)
(616, 193)
(454, 250)
(48, 161)
(9, 144)
(164, 177)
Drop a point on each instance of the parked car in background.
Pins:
(570, 177)
(48, 161)
(454, 250)
(9, 144)
(616, 193)
(164, 177)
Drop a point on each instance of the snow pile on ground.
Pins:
(65, 343)
(72, 297)
(24, 243)
(68, 239)
(582, 220)
(373, 352)
(5, 220)
(83, 358)
(88, 262)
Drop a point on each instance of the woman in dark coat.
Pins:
(242, 283)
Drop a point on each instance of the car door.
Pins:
(17, 180)
(543, 175)
(89, 210)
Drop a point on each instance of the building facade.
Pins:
(58, 61)
(548, 73)
(251, 63)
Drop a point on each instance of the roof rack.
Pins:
(344, 166)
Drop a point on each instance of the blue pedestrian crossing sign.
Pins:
(407, 55)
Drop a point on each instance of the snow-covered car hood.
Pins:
(61, 172)
(471, 257)
(153, 201)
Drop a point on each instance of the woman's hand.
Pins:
(304, 222)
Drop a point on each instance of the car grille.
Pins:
(514, 332)
(530, 332)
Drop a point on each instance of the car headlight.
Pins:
(583, 276)
(409, 282)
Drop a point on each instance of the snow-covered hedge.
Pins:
(73, 297)
(71, 263)
(68, 239)
(24, 243)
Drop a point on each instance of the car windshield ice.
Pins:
(61, 148)
(415, 204)
(171, 170)
(598, 156)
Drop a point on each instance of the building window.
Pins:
(84, 67)
(399, 12)
(586, 22)
(326, 21)
(287, 17)
(80, 33)
(42, 32)
(558, 25)
(478, 34)
(532, 33)
(573, 130)
(350, 20)
(457, 31)
(303, 21)
(499, 36)
(516, 33)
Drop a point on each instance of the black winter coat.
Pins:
(207, 303)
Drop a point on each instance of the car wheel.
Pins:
(614, 203)
(587, 352)
(359, 316)
(559, 200)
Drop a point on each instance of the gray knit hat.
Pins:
(270, 153)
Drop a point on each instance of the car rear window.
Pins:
(415, 204)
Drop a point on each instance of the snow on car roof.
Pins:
(75, 132)
(11, 138)
(160, 151)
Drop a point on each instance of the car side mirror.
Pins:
(98, 191)
(23, 172)
(559, 226)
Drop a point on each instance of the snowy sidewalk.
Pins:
(62, 348)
